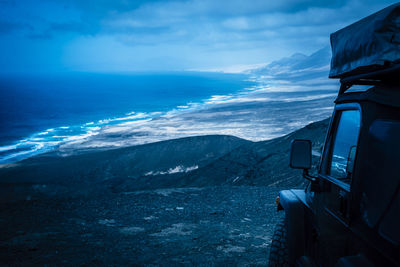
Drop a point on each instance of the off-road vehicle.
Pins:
(349, 215)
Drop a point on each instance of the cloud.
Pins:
(179, 34)
(217, 23)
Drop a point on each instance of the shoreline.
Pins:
(284, 96)
(49, 139)
(218, 118)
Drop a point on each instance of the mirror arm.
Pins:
(309, 177)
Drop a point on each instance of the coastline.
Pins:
(284, 96)
(47, 139)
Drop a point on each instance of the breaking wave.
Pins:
(265, 111)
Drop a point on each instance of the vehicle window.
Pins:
(345, 145)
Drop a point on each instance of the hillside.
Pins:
(166, 203)
(298, 67)
(185, 162)
(260, 163)
(90, 172)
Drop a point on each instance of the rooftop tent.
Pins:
(369, 45)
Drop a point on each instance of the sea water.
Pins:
(81, 111)
(37, 112)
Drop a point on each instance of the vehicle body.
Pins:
(349, 215)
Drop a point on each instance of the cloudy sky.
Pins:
(147, 35)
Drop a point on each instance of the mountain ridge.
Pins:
(298, 66)
(262, 163)
(186, 162)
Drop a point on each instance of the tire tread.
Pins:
(279, 253)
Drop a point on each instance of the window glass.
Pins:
(345, 145)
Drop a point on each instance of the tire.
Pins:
(279, 252)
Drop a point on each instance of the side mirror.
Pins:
(300, 154)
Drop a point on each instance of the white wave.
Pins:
(131, 117)
(7, 148)
(16, 155)
(36, 139)
(247, 114)
(76, 138)
(34, 147)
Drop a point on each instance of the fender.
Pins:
(293, 202)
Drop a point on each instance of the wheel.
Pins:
(279, 254)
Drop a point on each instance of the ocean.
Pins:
(38, 112)
(78, 111)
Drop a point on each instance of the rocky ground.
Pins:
(205, 200)
(209, 226)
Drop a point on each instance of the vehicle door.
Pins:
(336, 172)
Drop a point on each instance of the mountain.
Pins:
(259, 163)
(192, 161)
(94, 171)
(298, 66)
(262, 163)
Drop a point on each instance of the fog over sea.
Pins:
(77, 112)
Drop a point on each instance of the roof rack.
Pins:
(389, 75)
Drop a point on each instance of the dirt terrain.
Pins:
(204, 201)
(223, 225)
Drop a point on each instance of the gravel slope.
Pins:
(141, 206)
(224, 225)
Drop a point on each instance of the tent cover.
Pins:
(368, 45)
